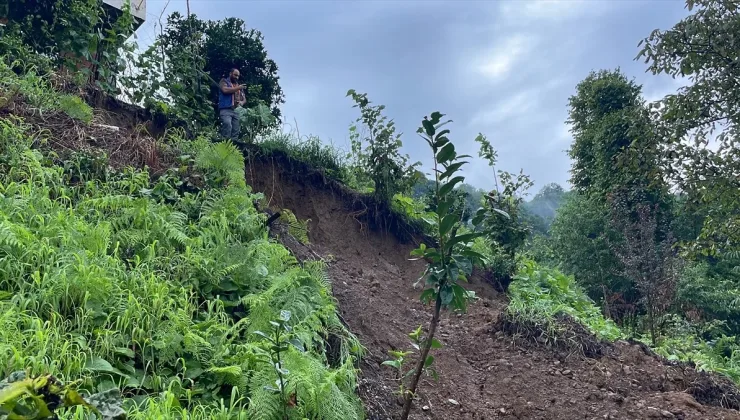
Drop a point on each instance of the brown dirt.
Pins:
(484, 371)
(119, 129)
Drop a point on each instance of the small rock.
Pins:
(566, 372)
(502, 410)
(453, 402)
(425, 408)
(557, 362)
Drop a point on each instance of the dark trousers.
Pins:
(229, 124)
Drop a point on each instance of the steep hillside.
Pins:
(485, 372)
(491, 366)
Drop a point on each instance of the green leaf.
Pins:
(447, 295)
(428, 361)
(443, 207)
(297, 344)
(441, 141)
(503, 213)
(261, 334)
(447, 153)
(428, 295)
(441, 133)
(285, 315)
(436, 117)
(446, 188)
(460, 298)
(451, 170)
(428, 127)
(429, 221)
(392, 363)
(125, 352)
(436, 344)
(462, 239)
(108, 404)
(97, 364)
(447, 223)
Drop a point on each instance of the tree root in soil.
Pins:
(563, 334)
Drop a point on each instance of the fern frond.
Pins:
(297, 228)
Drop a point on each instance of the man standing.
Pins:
(230, 95)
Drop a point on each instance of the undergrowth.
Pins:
(538, 294)
(541, 296)
(108, 282)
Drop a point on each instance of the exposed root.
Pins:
(563, 334)
(715, 390)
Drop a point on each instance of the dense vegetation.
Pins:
(117, 280)
(169, 289)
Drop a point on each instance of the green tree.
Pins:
(229, 43)
(615, 148)
(616, 158)
(581, 238)
(703, 47)
(179, 74)
(70, 33)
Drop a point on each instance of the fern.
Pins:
(103, 284)
(297, 228)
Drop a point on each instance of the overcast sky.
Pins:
(503, 68)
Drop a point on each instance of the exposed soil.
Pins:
(485, 371)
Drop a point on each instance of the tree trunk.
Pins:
(409, 397)
(651, 319)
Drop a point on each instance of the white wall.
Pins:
(138, 7)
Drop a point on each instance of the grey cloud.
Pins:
(502, 68)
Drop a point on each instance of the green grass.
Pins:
(106, 283)
(310, 150)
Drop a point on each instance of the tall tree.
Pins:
(615, 148)
(705, 48)
(616, 158)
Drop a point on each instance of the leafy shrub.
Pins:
(389, 171)
(720, 355)
(501, 216)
